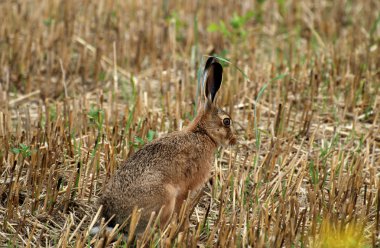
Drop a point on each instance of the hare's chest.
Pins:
(199, 176)
(196, 170)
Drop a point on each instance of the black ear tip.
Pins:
(211, 60)
(217, 66)
(217, 69)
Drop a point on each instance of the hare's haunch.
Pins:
(163, 172)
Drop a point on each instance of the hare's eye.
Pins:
(227, 122)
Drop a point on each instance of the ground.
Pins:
(83, 84)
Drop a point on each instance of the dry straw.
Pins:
(83, 84)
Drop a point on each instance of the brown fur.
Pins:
(163, 172)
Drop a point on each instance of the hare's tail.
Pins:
(96, 229)
(106, 231)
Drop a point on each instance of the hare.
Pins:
(162, 173)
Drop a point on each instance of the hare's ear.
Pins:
(213, 78)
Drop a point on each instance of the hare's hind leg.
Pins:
(155, 198)
(169, 205)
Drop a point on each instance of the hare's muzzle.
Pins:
(232, 140)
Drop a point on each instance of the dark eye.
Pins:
(227, 122)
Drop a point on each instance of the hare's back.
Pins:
(155, 159)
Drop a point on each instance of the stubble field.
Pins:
(83, 84)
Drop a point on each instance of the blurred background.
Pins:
(149, 40)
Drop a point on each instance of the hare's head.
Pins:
(216, 122)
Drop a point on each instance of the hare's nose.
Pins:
(233, 140)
